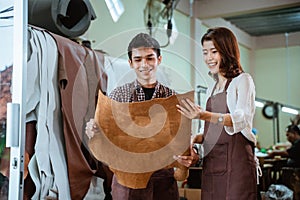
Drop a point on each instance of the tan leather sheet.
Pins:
(138, 138)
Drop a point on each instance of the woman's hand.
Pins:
(91, 128)
(189, 109)
(190, 160)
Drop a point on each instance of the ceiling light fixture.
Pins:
(259, 104)
(116, 8)
(289, 110)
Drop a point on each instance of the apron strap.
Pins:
(212, 92)
(225, 88)
(227, 84)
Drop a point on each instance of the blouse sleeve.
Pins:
(242, 107)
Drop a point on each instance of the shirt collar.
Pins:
(138, 86)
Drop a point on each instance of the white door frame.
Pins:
(16, 110)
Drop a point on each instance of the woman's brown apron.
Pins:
(229, 168)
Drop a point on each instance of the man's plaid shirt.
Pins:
(132, 92)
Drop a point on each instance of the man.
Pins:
(144, 58)
(292, 152)
(293, 135)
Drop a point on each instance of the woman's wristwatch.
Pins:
(221, 118)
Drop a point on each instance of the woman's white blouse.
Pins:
(241, 105)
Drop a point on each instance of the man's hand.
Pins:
(91, 128)
(190, 160)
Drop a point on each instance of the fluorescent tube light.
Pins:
(115, 8)
(289, 110)
(259, 104)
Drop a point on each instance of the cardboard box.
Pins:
(190, 193)
(181, 192)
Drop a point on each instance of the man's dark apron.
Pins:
(229, 168)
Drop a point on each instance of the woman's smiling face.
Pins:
(211, 56)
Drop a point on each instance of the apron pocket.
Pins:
(215, 162)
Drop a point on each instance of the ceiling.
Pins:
(286, 20)
(255, 17)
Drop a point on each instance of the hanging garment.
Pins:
(81, 75)
(47, 166)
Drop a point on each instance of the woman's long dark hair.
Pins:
(226, 44)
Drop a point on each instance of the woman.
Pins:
(229, 167)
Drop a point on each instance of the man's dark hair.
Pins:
(143, 40)
(293, 129)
